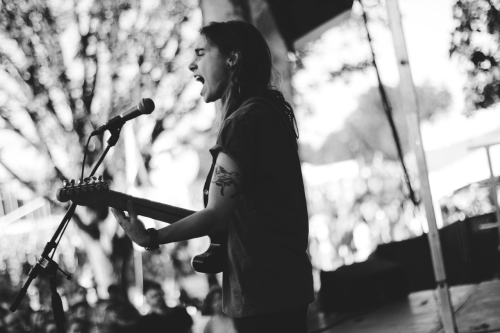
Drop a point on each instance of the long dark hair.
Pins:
(251, 75)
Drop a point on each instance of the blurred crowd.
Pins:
(115, 314)
(349, 217)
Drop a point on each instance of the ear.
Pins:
(234, 58)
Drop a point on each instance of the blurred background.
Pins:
(66, 67)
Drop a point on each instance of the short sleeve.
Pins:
(237, 139)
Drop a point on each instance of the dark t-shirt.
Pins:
(267, 267)
(177, 320)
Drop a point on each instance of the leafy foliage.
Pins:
(366, 131)
(67, 67)
(476, 40)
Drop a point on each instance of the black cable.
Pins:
(69, 214)
(388, 111)
(71, 210)
(100, 160)
(85, 155)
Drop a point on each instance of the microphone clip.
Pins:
(52, 266)
(115, 134)
(114, 126)
(115, 123)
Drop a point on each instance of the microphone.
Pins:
(145, 106)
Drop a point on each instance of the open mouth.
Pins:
(199, 78)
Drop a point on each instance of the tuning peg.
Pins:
(72, 182)
(86, 180)
(99, 179)
(94, 178)
(65, 183)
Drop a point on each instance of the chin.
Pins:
(209, 98)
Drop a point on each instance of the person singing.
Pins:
(254, 191)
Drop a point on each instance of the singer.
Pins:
(255, 189)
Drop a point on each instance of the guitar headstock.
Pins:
(85, 192)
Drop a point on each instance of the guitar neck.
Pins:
(147, 208)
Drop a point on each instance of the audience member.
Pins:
(3, 313)
(119, 314)
(50, 326)
(81, 310)
(15, 323)
(219, 322)
(76, 325)
(38, 320)
(162, 318)
(78, 295)
(113, 315)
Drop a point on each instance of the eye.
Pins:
(200, 53)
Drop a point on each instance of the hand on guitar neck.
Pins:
(96, 191)
(132, 226)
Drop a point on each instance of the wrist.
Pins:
(153, 242)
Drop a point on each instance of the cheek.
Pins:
(217, 69)
(222, 78)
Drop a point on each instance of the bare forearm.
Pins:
(202, 223)
(223, 197)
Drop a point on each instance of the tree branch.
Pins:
(28, 185)
(92, 231)
(348, 69)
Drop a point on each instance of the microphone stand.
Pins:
(47, 263)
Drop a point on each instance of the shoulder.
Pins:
(252, 110)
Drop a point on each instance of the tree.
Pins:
(70, 66)
(366, 130)
(476, 41)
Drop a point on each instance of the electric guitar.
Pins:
(95, 191)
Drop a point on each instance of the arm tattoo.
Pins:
(223, 178)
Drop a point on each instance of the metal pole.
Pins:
(139, 277)
(493, 189)
(410, 107)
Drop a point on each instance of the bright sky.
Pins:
(427, 26)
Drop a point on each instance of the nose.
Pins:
(192, 66)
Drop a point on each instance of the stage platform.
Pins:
(477, 309)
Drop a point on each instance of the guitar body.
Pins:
(212, 261)
(97, 192)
